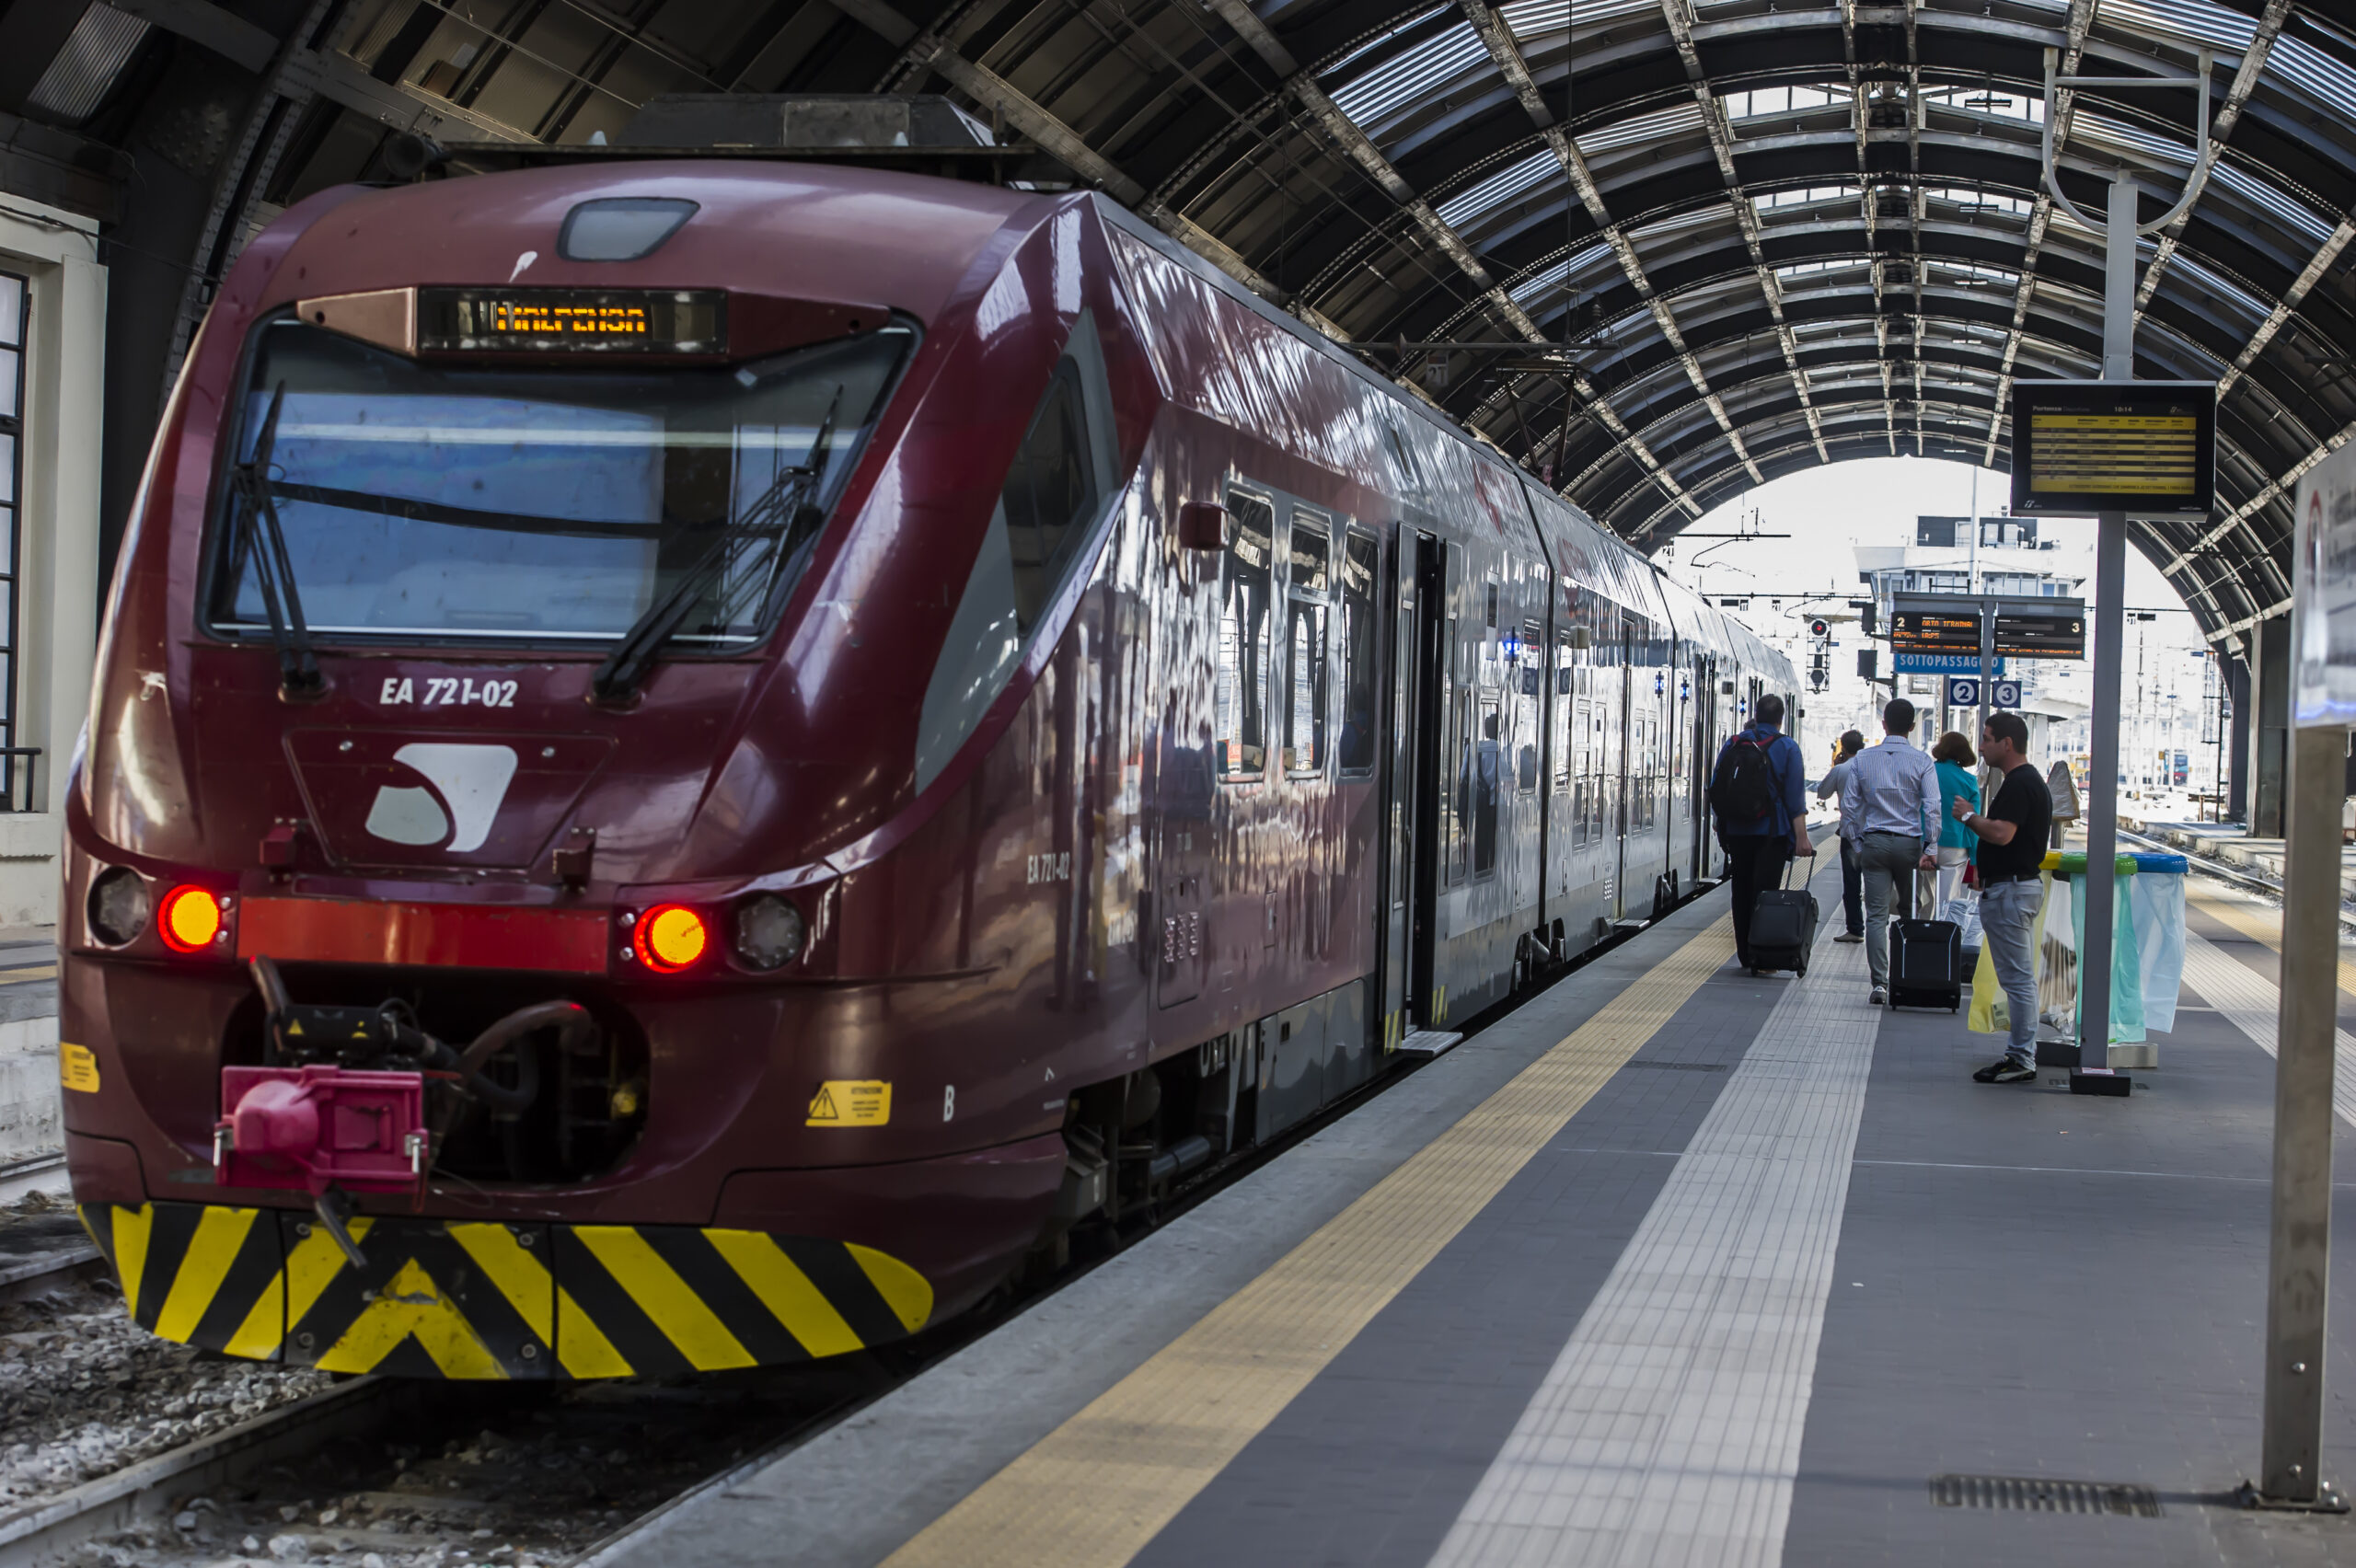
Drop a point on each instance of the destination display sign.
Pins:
(1935, 632)
(2058, 633)
(2144, 448)
(630, 321)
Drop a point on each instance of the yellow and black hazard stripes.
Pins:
(423, 1306)
(197, 1273)
(461, 1300)
(681, 1298)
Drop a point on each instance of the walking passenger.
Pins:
(1760, 796)
(1887, 806)
(1958, 844)
(2011, 848)
(1852, 895)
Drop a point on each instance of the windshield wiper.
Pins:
(772, 512)
(298, 672)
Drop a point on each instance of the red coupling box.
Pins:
(315, 1126)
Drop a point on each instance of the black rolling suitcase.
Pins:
(1925, 964)
(1782, 928)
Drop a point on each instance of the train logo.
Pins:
(468, 782)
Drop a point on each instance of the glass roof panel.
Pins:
(1527, 19)
(2304, 66)
(2291, 213)
(1498, 189)
(2194, 21)
(1547, 278)
(1398, 82)
(1756, 101)
(1659, 125)
(2231, 292)
(2087, 125)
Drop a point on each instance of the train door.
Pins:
(1620, 765)
(1423, 687)
(1705, 753)
(1401, 796)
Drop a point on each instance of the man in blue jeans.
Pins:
(2012, 847)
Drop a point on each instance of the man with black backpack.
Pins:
(1758, 792)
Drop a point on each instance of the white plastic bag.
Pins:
(1964, 910)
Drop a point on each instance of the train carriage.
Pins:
(693, 762)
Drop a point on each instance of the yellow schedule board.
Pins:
(2143, 447)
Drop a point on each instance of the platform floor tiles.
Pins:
(1672, 1266)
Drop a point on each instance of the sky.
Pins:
(1828, 512)
(1874, 501)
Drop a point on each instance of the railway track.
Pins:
(383, 1472)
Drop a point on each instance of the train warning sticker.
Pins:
(851, 1102)
(77, 1068)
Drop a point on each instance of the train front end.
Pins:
(453, 917)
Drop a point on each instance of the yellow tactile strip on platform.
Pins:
(2261, 923)
(1095, 1489)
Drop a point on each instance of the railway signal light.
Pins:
(189, 919)
(669, 937)
(1819, 627)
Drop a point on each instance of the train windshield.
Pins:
(390, 498)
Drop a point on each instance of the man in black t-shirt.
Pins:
(2012, 847)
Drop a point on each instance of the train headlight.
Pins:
(120, 904)
(769, 932)
(189, 919)
(670, 937)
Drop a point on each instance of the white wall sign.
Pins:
(2323, 594)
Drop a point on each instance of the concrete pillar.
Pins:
(2237, 739)
(2270, 727)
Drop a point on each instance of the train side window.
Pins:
(1307, 589)
(1459, 837)
(1578, 729)
(1055, 493)
(1050, 494)
(1245, 581)
(1360, 694)
(1560, 710)
(1526, 734)
(1487, 784)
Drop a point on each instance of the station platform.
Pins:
(1670, 1265)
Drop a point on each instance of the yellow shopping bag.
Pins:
(1990, 1013)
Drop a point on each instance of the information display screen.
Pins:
(2146, 447)
(1924, 631)
(2060, 634)
(630, 321)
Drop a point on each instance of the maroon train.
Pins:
(693, 760)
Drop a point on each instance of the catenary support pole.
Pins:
(2299, 1252)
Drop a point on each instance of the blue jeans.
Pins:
(2007, 916)
(1852, 890)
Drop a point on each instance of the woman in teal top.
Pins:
(1958, 846)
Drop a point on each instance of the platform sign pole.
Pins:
(1987, 660)
(2323, 701)
(2111, 627)
(2299, 1248)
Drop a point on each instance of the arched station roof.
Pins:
(1713, 240)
